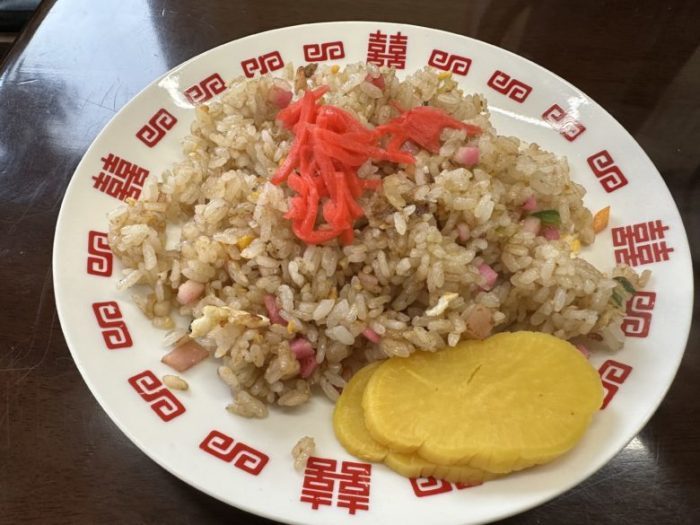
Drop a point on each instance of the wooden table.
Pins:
(61, 458)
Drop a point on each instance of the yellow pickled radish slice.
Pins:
(349, 421)
(505, 403)
(414, 466)
(350, 429)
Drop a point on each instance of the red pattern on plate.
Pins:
(205, 89)
(114, 329)
(320, 485)
(429, 486)
(322, 51)
(158, 126)
(638, 319)
(513, 88)
(423, 487)
(271, 61)
(99, 260)
(567, 126)
(244, 457)
(641, 243)
(161, 400)
(612, 375)
(462, 486)
(120, 178)
(606, 171)
(457, 64)
(387, 50)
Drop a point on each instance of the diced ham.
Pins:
(550, 233)
(463, 232)
(410, 147)
(489, 274)
(280, 97)
(467, 156)
(532, 225)
(583, 349)
(371, 335)
(480, 322)
(530, 204)
(307, 366)
(273, 311)
(189, 291)
(377, 81)
(305, 354)
(301, 348)
(185, 356)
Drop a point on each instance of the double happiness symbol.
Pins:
(120, 178)
(348, 481)
(387, 50)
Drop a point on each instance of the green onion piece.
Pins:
(617, 299)
(626, 284)
(548, 217)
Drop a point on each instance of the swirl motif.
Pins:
(429, 486)
(156, 128)
(114, 330)
(323, 51)
(606, 171)
(161, 400)
(567, 126)
(205, 89)
(612, 375)
(100, 258)
(244, 457)
(511, 87)
(459, 65)
(271, 61)
(639, 311)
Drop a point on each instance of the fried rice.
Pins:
(413, 279)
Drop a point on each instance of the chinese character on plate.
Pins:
(641, 243)
(345, 482)
(387, 50)
(120, 178)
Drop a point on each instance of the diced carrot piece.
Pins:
(601, 219)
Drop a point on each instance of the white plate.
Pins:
(175, 428)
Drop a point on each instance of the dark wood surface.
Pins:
(63, 461)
